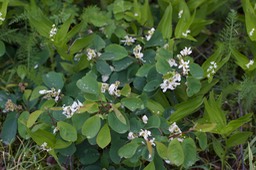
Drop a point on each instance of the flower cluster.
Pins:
(211, 69)
(10, 106)
(137, 52)
(175, 132)
(45, 147)
(53, 32)
(172, 82)
(128, 40)
(150, 33)
(53, 93)
(112, 89)
(91, 53)
(69, 111)
(251, 62)
(1, 18)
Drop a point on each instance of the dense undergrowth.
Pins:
(127, 84)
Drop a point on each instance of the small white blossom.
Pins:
(91, 53)
(36, 66)
(150, 33)
(174, 129)
(185, 66)
(251, 32)
(55, 130)
(112, 90)
(1, 18)
(131, 136)
(172, 82)
(69, 111)
(185, 34)
(53, 32)
(45, 147)
(167, 161)
(51, 94)
(251, 62)
(180, 13)
(172, 62)
(145, 134)
(104, 87)
(136, 14)
(104, 78)
(152, 141)
(211, 69)
(186, 51)
(145, 119)
(137, 52)
(128, 40)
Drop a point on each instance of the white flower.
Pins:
(137, 52)
(128, 40)
(55, 130)
(185, 66)
(91, 54)
(45, 147)
(174, 129)
(69, 111)
(180, 13)
(185, 34)
(186, 51)
(251, 32)
(112, 90)
(150, 33)
(251, 62)
(131, 136)
(172, 62)
(53, 32)
(151, 141)
(44, 91)
(172, 82)
(1, 18)
(211, 69)
(51, 94)
(104, 78)
(104, 87)
(145, 134)
(145, 119)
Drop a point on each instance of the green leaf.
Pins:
(119, 115)
(196, 71)
(152, 85)
(88, 84)
(189, 148)
(250, 18)
(9, 129)
(33, 117)
(22, 124)
(93, 15)
(116, 124)
(155, 40)
(54, 80)
(67, 131)
(185, 108)
(205, 127)
(132, 103)
(103, 67)
(143, 70)
(114, 52)
(202, 138)
(40, 136)
(165, 24)
(104, 137)
(60, 144)
(161, 150)
(123, 63)
(153, 122)
(217, 147)
(238, 138)
(22, 71)
(194, 86)
(162, 66)
(91, 127)
(128, 150)
(2, 49)
(126, 90)
(175, 152)
(154, 107)
(150, 166)
(81, 43)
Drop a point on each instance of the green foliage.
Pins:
(130, 84)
